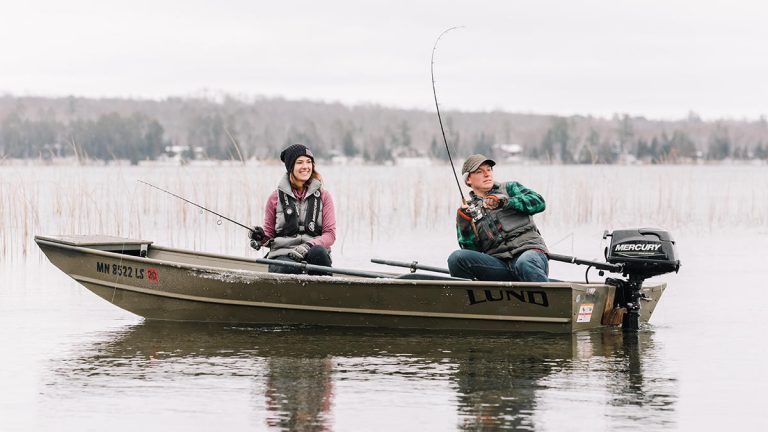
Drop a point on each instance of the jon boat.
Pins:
(161, 283)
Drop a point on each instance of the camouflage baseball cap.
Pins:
(473, 163)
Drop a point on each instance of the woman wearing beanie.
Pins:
(299, 219)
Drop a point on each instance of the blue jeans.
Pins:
(528, 266)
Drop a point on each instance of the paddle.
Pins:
(305, 267)
(615, 268)
(412, 265)
(318, 268)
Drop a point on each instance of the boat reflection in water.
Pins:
(295, 375)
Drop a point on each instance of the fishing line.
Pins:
(567, 236)
(199, 206)
(218, 222)
(439, 117)
(122, 246)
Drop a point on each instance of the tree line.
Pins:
(228, 128)
(109, 137)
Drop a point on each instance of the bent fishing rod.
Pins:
(439, 118)
(197, 205)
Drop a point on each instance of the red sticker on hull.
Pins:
(152, 274)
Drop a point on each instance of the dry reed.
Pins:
(392, 205)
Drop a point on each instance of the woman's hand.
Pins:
(299, 252)
(257, 234)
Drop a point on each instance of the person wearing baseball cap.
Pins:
(498, 238)
(299, 217)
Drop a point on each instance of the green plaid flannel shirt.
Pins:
(521, 199)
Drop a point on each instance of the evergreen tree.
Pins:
(761, 152)
(483, 145)
(348, 146)
(555, 145)
(720, 145)
(625, 133)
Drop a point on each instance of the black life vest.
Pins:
(293, 226)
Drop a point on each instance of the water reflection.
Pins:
(299, 393)
(493, 382)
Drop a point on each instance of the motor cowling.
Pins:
(642, 252)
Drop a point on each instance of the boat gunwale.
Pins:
(51, 241)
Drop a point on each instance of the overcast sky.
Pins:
(658, 58)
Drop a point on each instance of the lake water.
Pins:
(73, 362)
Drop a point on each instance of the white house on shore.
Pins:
(410, 157)
(511, 153)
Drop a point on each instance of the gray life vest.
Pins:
(506, 232)
(296, 221)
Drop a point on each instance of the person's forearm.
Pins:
(524, 200)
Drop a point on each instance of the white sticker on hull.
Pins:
(585, 312)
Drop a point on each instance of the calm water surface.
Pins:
(79, 365)
(73, 362)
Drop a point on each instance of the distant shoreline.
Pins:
(229, 128)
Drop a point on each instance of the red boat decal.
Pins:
(152, 274)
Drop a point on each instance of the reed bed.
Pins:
(394, 207)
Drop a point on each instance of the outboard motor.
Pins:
(637, 254)
(642, 253)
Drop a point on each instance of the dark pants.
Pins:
(317, 255)
(527, 266)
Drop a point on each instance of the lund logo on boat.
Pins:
(533, 297)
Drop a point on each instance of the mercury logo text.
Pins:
(637, 247)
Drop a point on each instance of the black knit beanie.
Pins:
(293, 152)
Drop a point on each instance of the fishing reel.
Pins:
(475, 211)
(257, 236)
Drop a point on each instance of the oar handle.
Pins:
(414, 265)
(318, 268)
(616, 268)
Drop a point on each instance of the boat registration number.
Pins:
(127, 271)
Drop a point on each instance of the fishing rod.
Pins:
(197, 205)
(439, 118)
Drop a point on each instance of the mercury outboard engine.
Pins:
(637, 254)
(642, 253)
